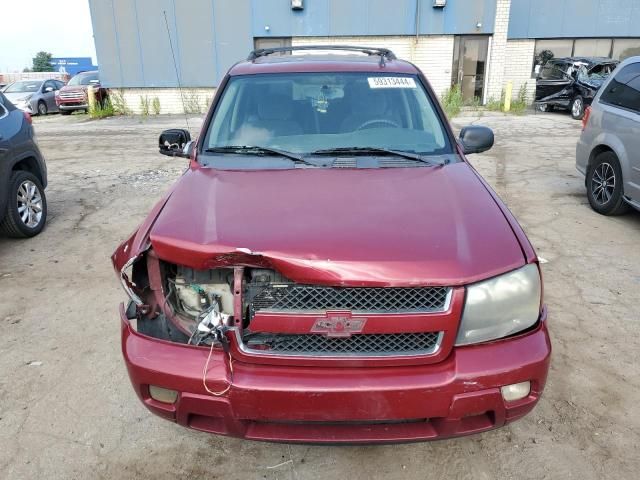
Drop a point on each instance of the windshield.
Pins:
(23, 87)
(84, 79)
(597, 75)
(304, 113)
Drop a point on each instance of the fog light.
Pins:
(163, 395)
(517, 391)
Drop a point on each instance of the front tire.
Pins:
(604, 185)
(26, 212)
(42, 108)
(577, 108)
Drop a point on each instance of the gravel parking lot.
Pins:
(67, 409)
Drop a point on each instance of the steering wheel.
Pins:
(382, 121)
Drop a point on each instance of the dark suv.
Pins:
(571, 83)
(23, 174)
(330, 268)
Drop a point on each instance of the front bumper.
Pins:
(561, 103)
(25, 107)
(73, 106)
(458, 396)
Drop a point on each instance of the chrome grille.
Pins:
(310, 298)
(76, 95)
(373, 344)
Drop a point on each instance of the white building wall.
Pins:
(509, 61)
(497, 54)
(518, 67)
(193, 100)
(432, 54)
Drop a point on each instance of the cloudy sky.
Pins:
(62, 28)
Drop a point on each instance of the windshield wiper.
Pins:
(256, 150)
(399, 153)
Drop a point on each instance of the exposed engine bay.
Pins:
(199, 290)
(200, 307)
(206, 297)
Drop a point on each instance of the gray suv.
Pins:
(608, 152)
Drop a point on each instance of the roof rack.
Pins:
(384, 53)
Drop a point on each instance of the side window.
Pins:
(628, 72)
(554, 71)
(624, 90)
(48, 84)
(634, 94)
(59, 84)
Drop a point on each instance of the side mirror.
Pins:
(48, 89)
(187, 150)
(174, 143)
(476, 139)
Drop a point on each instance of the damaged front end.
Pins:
(261, 316)
(242, 350)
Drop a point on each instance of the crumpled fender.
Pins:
(138, 241)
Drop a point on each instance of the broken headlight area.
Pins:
(196, 307)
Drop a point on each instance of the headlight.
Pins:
(501, 306)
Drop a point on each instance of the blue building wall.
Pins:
(371, 17)
(134, 41)
(208, 36)
(574, 18)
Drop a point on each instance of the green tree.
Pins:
(42, 62)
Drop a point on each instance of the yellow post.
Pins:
(91, 97)
(507, 96)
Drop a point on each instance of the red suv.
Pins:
(330, 268)
(73, 96)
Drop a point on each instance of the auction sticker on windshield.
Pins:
(391, 82)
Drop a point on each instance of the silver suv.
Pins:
(608, 152)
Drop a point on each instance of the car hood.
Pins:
(73, 88)
(17, 96)
(374, 227)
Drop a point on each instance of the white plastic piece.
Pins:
(191, 299)
(212, 320)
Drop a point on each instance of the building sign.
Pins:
(72, 65)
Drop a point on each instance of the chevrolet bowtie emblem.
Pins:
(338, 324)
